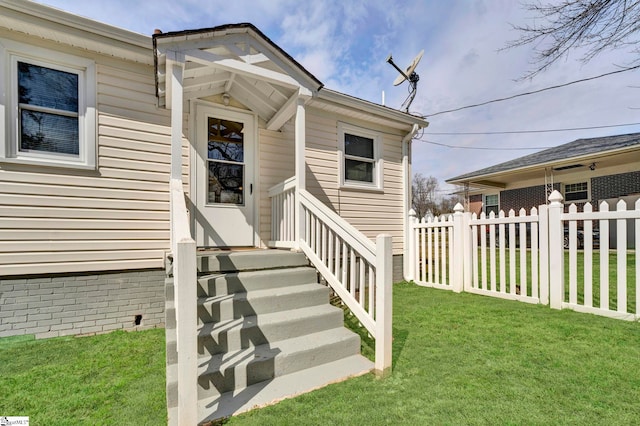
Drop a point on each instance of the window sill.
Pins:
(48, 163)
(361, 188)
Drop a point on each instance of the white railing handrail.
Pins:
(358, 270)
(180, 230)
(282, 186)
(183, 249)
(350, 234)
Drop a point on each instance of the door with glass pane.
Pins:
(224, 178)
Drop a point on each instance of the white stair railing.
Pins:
(283, 213)
(183, 248)
(358, 271)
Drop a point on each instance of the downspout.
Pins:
(406, 199)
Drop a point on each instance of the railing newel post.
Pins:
(384, 304)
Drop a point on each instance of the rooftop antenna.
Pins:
(410, 75)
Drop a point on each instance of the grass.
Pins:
(116, 378)
(458, 359)
(595, 274)
(467, 359)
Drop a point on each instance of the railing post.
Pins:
(187, 326)
(384, 305)
(458, 249)
(556, 251)
(413, 247)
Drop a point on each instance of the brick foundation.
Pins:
(63, 305)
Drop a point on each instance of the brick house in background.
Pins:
(585, 170)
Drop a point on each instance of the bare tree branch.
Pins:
(593, 26)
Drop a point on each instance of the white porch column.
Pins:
(185, 262)
(177, 68)
(301, 179)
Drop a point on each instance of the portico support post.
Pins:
(300, 164)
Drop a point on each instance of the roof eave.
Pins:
(371, 108)
(460, 180)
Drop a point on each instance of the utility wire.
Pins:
(484, 147)
(534, 91)
(511, 132)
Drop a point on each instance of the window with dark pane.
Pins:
(48, 110)
(225, 157)
(359, 160)
(491, 204)
(576, 191)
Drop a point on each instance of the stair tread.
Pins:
(256, 294)
(273, 350)
(252, 272)
(279, 388)
(266, 319)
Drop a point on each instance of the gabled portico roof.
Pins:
(236, 59)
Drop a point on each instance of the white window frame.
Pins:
(378, 162)
(582, 200)
(11, 53)
(485, 204)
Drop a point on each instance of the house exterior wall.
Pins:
(613, 186)
(372, 212)
(58, 219)
(603, 187)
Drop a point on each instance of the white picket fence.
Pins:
(522, 257)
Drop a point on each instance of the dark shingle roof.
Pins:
(577, 148)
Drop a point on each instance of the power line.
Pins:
(510, 132)
(534, 91)
(483, 147)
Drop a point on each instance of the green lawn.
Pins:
(458, 359)
(110, 379)
(595, 276)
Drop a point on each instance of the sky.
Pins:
(345, 44)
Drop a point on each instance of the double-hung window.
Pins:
(576, 192)
(491, 204)
(360, 160)
(50, 107)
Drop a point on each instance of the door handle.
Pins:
(250, 189)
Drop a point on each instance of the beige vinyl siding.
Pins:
(372, 212)
(276, 160)
(114, 218)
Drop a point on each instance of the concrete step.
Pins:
(272, 391)
(250, 260)
(242, 333)
(237, 305)
(242, 281)
(231, 371)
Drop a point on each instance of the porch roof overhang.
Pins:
(612, 151)
(236, 59)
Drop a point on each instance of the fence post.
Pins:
(412, 244)
(556, 251)
(458, 249)
(384, 305)
(467, 250)
(543, 240)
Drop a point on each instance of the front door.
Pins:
(225, 152)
